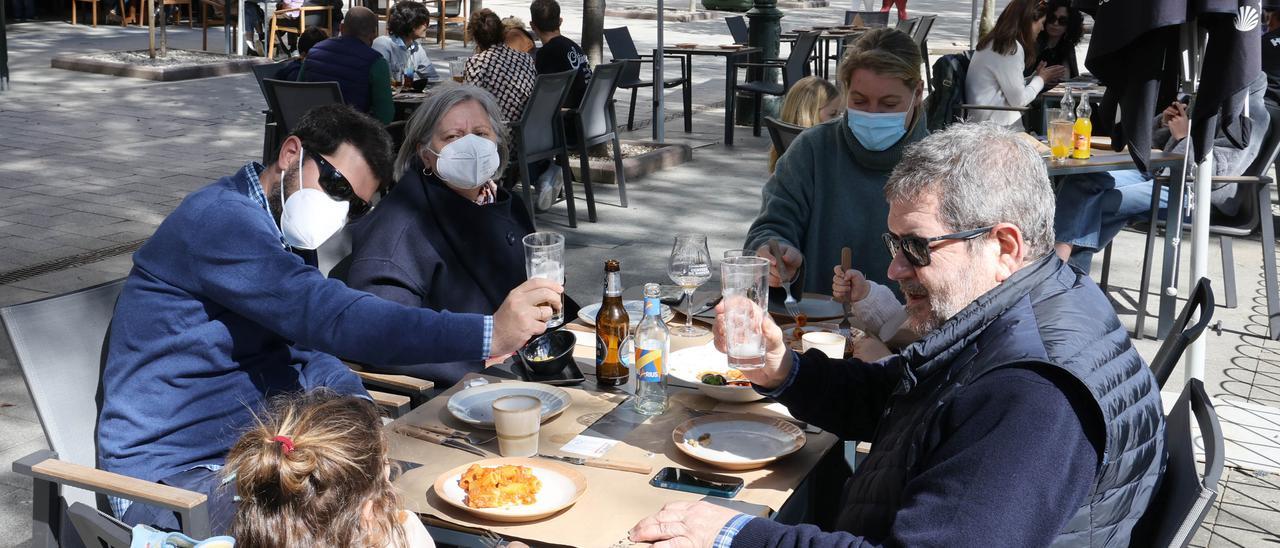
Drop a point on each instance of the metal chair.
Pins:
(921, 36)
(1184, 495)
(596, 122)
(97, 528)
(623, 48)
(907, 25)
(448, 11)
(794, 67)
(869, 18)
(282, 24)
(1181, 335)
(59, 345)
(270, 137)
(290, 100)
(738, 29)
(781, 133)
(533, 140)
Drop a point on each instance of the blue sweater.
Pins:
(217, 315)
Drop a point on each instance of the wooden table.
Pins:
(731, 58)
(614, 501)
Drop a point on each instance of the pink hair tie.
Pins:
(285, 442)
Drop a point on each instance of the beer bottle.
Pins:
(653, 344)
(612, 326)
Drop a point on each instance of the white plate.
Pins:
(688, 363)
(813, 305)
(561, 487)
(738, 441)
(475, 405)
(635, 311)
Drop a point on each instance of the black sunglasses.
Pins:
(1063, 20)
(335, 184)
(917, 248)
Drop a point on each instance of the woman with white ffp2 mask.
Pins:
(446, 237)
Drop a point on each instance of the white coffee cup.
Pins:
(517, 420)
(831, 344)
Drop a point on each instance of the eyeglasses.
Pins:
(335, 184)
(1061, 20)
(917, 248)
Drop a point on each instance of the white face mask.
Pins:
(468, 162)
(310, 216)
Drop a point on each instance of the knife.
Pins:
(625, 466)
(431, 437)
(846, 262)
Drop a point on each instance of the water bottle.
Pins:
(1067, 110)
(653, 344)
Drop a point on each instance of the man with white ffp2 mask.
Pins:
(218, 313)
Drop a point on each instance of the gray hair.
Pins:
(981, 174)
(422, 125)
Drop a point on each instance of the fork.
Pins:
(489, 539)
(793, 307)
(473, 439)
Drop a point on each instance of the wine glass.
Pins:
(689, 267)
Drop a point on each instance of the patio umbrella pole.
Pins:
(239, 26)
(1199, 205)
(659, 113)
(973, 25)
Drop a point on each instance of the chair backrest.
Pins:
(595, 111)
(97, 529)
(1248, 216)
(1180, 334)
(738, 29)
(621, 46)
(58, 342)
(798, 61)
(781, 133)
(943, 105)
(290, 100)
(908, 25)
(921, 32)
(869, 18)
(541, 126)
(267, 70)
(1184, 496)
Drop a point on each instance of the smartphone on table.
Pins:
(703, 483)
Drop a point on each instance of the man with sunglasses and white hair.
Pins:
(219, 313)
(1022, 417)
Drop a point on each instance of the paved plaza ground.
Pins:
(89, 165)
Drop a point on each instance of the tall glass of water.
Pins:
(744, 287)
(689, 267)
(544, 258)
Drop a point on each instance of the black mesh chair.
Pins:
(623, 48)
(921, 36)
(98, 529)
(270, 137)
(1184, 495)
(596, 123)
(290, 100)
(869, 18)
(1182, 335)
(908, 25)
(781, 134)
(534, 142)
(738, 29)
(794, 67)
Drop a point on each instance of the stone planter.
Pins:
(177, 65)
(639, 158)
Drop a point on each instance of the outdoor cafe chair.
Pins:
(595, 122)
(270, 137)
(1254, 214)
(781, 133)
(124, 17)
(214, 13)
(907, 25)
(738, 29)
(921, 36)
(869, 18)
(447, 12)
(794, 67)
(162, 8)
(534, 142)
(1181, 335)
(282, 23)
(1184, 495)
(97, 528)
(288, 101)
(623, 48)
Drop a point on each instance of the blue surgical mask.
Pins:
(878, 131)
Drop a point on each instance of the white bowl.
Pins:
(689, 364)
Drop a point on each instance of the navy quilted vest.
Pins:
(345, 60)
(1045, 313)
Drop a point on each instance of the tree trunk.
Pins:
(151, 29)
(593, 30)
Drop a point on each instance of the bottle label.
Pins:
(1081, 146)
(652, 307)
(649, 366)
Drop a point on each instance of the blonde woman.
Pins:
(314, 472)
(810, 102)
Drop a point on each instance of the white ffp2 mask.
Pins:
(310, 216)
(468, 162)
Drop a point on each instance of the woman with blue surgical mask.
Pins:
(826, 192)
(447, 237)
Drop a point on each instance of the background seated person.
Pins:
(809, 102)
(218, 314)
(349, 60)
(1056, 44)
(313, 471)
(559, 53)
(309, 38)
(496, 68)
(400, 47)
(1024, 380)
(1094, 207)
(446, 237)
(516, 36)
(827, 191)
(995, 73)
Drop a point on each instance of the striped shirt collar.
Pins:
(251, 173)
